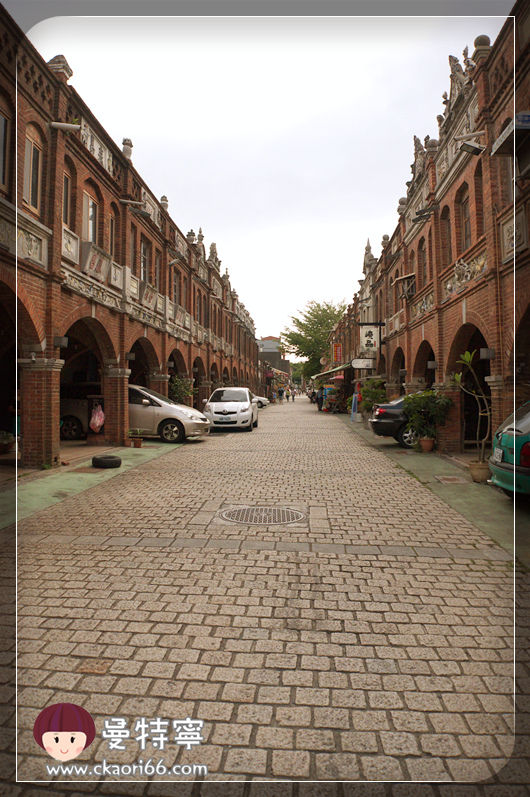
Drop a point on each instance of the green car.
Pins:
(510, 460)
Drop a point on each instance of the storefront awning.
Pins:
(331, 371)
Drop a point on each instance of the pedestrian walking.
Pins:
(280, 395)
(287, 394)
(320, 398)
(294, 394)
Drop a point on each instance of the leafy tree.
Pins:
(180, 388)
(309, 336)
(296, 372)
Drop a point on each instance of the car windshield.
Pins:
(229, 394)
(156, 395)
(518, 422)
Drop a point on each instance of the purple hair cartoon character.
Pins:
(64, 730)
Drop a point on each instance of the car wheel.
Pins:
(71, 428)
(406, 437)
(106, 461)
(256, 423)
(509, 493)
(250, 427)
(171, 432)
(260, 405)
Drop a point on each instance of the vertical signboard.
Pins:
(369, 338)
(337, 352)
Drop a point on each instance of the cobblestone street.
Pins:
(369, 640)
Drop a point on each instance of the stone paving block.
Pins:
(382, 768)
(290, 764)
(245, 761)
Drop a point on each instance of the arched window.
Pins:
(176, 298)
(396, 291)
(33, 169)
(204, 312)
(90, 214)
(184, 294)
(113, 232)
(422, 263)
(429, 255)
(445, 228)
(67, 197)
(464, 219)
(479, 200)
(6, 117)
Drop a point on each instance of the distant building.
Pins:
(270, 350)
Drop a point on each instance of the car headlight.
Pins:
(244, 407)
(207, 408)
(191, 415)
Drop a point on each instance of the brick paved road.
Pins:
(371, 640)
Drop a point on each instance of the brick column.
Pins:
(499, 393)
(159, 382)
(115, 388)
(449, 437)
(40, 381)
(392, 390)
(415, 385)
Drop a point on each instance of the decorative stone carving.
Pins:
(95, 261)
(135, 288)
(148, 294)
(464, 272)
(70, 250)
(116, 276)
(80, 284)
(8, 234)
(423, 306)
(96, 147)
(513, 235)
(30, 246)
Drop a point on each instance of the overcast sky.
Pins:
(288, 140)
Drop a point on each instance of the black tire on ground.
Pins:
(106, 461)
(249, 428)
(71, 428)
(406, 437)
(260, 405)
(509, 493)
(171, 431)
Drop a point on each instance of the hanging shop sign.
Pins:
(361, 364)
(369, 338)
(337, 352)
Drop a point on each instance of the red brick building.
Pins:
(108, 289)
(444, 282)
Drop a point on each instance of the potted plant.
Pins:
(372, 392)
(479, 468)
(136, 439)
(425, 412)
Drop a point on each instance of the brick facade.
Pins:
(99, 261)
(444, 282)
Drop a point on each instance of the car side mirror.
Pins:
(254, 401)
(146, 402)
(205, 401)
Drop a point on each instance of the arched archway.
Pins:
(200, 390)
(381, 365)
(145, 362)
(81, 382)
(235, 380)
(226, 376)
(214, 375)
(398, 365)
(519, 362)
(177, 364)
(424, 355)
(470, 338)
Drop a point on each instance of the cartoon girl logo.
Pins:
(64, 730)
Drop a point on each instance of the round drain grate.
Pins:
(261, 515)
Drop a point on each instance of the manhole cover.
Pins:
(451, 479)
(262, 515)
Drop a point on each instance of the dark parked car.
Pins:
(389, 421)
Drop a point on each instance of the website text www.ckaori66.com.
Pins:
(138, 768)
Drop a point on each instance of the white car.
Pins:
(262, 401)
(232, 407)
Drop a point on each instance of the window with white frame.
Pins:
(145, 258)
(33, 169)
(67, 196)
(90, 218)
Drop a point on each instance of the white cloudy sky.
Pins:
(288, 140)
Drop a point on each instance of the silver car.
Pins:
(232, 407)
(150, 414)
